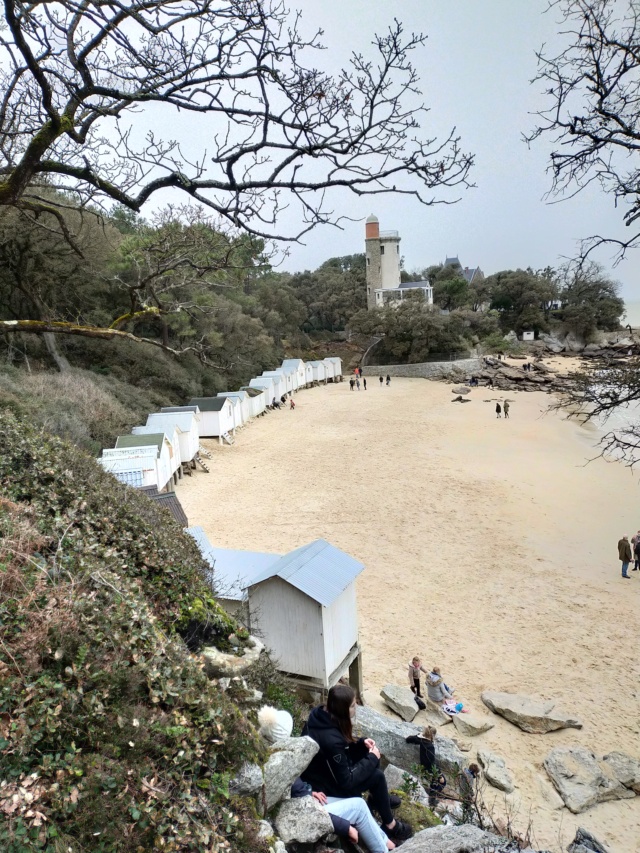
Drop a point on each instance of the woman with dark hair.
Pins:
(346, 767)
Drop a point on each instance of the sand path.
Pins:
(490, 550)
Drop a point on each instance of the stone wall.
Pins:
(426, 370)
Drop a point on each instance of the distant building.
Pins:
(470, 274)
(382, 250)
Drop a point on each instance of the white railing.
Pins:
(389, 233)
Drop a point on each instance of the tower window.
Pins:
(368, 261)
(369, 291)
(382, 250)
(398, 249)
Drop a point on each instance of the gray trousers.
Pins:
(356, 811)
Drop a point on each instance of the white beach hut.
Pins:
(172, 432)
(238, 420)
(136, 466)
(304, 606)
(257, 400)
(216, 416)
(243, 399)
(163, 450)
(279, 382)
(337, 367)
(319, 370)
(296, 365)
(308, 374)
(330, 369)
(187, 423)
(265, 384)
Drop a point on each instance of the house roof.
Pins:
(470, 274)
(319, 570)
(171, 409)
(170, 502)
(184, 421)
(152, 439)
(293, 362)
(233, 570)
(452, 262)
(240, 395)
(408, 285)
(209, 404)
(316, 363)
(251, 391)
(167, 427)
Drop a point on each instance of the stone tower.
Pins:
(382, 249)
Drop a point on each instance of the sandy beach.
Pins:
(490, 550)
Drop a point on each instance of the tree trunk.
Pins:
(52, 348)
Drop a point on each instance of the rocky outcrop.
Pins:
(435, 715)
(457, 839)
(247, 781)
(471, 725)
(401, 700)
(536, 716)
(302, 820)
(625, 768)
(581, 780)
(495, 770)
(219, 664)
(395, 777)
(288, 759)
(390, 736)
(584, 842)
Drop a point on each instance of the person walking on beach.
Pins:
(635, 542)
(498, 410)
(624, 555)
(292, 405)
(506, 408)
(364, 382)
(352, 383)
(381, 381)
(358, 384)
(388, 379)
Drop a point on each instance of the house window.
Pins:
(382, 250)
(369, 291)
(368, 261)
(397, 248)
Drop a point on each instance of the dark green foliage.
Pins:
(111, 736)
(523, 299)
(590, 300)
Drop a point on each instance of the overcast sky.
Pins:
(475, 72)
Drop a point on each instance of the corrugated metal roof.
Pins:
(193, 409)
(319, 569)
(169, 501)
(153, 439)
(233, 570)
(252, 392)
(184, 421)
(209, 404)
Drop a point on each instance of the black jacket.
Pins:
(340, 769)
(427, 753)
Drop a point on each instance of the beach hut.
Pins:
(337, 367)
(304, 606)
(266, 385)
(279, 382)
(231, 572)
(238, 420)
(188, 433)
(319, 370)
(172, 432)
(308, 374)
(257, 400)
(165, 455)
(174, 409)
(216, 417)
(136, 466)
(244, 401)
(330, 369)
(169, 501)
(296, 365)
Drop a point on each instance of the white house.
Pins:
(308, 374)
(163, 451)
(187, 424)
(528, 336)
(330, 369)
(304, 606)
(337, 367)
(172, 432)
(319, 370)
(236, 407)
(279, 382)
(194, 409)
(257, 400)
(244, 403)
(297, 365)
(136, 466)
(267, 385)
(216, 416)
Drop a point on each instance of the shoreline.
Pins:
(490, 550)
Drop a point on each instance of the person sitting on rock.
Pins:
(429, 763)
(437, 690)
(347, 767)
(351, 817)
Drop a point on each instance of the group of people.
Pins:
(628, 552)
(275, 404)
(500, 408)
(357, 378)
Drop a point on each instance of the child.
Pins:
(415, 668)
(292, 404)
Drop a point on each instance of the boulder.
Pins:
(288, 759)
(552, 344)
(455, 839)
(247, 781)
(396, 779)
(593, 348)
(461, 389)
(463, 745)
(219, 664)
(531, 715)
(390, 735)
(471, 725)
(435, 715)
(584, 842)
(551, 797)
(511, 336)
(572, 343)
(495, 770)
(264, 831)
(302, 820)
(401, 700)
(580, 780)
(625, 769)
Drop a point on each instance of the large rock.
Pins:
(456, 839)
(552, 344)
(495, 770)
(531, 715)
(580, 780)
(471, 725)
(625, 768)
(435, 715)
(219, 664)
(584, 842)
(302, 820)
(247, 781)
(390, 735)
(395, 777)
(288, 759)
(401, 700)
(573, 344)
